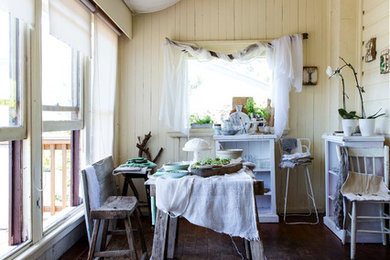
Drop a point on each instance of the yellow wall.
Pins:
(312, 113)
(376, 23)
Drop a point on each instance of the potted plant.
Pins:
(366, 123)
(251, 108)
(198, 122)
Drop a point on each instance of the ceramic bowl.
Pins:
(175, 166)
(229, 153)
(228, 132)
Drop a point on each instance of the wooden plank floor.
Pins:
(281, 241)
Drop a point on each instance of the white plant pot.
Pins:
(367, 127)
(348, 126)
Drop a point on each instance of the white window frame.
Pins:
(20, 43)
(79, 78)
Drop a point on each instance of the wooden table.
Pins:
(165, 232)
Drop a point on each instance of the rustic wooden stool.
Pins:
(116, 207)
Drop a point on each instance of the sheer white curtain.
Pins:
(285, 60)
(101, 137)
(174, 110)
(284, 57)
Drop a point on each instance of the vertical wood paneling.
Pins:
(376, 23)
(141, 69)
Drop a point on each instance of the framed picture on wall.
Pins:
(384, 61)
(310, 75)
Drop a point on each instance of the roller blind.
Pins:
(70, 22)
(21, 9)
(103, 92)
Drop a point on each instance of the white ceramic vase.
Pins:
(348, 126)
(367, 127)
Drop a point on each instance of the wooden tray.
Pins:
(228, 169)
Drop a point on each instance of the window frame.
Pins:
(20, 48)
(79, 76)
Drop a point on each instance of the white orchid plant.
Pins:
(343, 111)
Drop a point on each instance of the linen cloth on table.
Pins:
(224, 204)
(120, 170)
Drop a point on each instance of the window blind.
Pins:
(103, 92)
(70, 22)
(21, 9)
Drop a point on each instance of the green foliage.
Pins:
(251, 107)
(347, 115)
(195, 119)
(376, 115)
(254, 111)
(264, 113)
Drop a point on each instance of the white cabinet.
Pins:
(258, 149)
(331, 177)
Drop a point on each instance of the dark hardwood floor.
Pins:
(281, 241)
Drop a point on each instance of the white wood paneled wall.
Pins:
(376, 23)
(140, 71)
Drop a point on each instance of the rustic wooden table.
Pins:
(165, 232)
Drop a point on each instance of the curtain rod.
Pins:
(230, 56)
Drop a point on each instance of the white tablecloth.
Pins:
(224, 204)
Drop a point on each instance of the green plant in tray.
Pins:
(195, 119)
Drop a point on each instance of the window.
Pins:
(14, 194)
(62, 81)
(12, 77)
(214, 83)
(62, 87)
(61, 84)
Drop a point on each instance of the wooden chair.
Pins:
(303, 146)
(102, 206)
(364, 161)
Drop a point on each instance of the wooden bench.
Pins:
(165, 232)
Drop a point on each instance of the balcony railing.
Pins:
(53, 145)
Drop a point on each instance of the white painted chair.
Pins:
(366, 184)
(302, 148)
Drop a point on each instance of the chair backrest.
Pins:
(303, 146)
(370, 161)
(105, 186)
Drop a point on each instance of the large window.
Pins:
(214, 83)
(44, 139)
(12, 76)
(14, 196)
(62, 85)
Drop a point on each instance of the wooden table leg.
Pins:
(160, 235)
(125, 186)
(132, 186)
(147, 189)
(172, 233)
(247, 250)
(257, 250)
